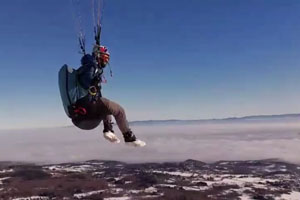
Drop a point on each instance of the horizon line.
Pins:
(164, 120)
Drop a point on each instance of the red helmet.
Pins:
(103, 49)
(101, 52)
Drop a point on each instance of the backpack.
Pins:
(70, 89)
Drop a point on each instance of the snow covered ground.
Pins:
(111, 180)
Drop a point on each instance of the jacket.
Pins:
(89, 74)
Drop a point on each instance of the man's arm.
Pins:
(86, 72)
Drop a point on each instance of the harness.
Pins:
(93, 94)
(94, 89)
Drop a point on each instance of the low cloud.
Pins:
(205, 142)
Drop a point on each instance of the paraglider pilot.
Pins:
(90, 110)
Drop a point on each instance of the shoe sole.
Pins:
(132, 144)
(113, 139)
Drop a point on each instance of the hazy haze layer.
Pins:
(205, 142)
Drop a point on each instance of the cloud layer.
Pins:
(205, 142)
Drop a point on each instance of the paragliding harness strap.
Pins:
(94, 89)
(94, 94)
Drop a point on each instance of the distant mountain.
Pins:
(254, 118)
(246, 119)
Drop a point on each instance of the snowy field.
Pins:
(205, 142)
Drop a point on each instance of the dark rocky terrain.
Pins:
(189, 180)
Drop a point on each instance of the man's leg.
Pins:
(119, 114)
(108, 132)
(107, 123)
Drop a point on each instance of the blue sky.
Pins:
(171, 59)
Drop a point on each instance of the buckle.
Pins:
(93, 90)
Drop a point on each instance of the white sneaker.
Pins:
(136, 143)
(110, 136)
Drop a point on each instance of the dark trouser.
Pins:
(114, 109)
(99, 110)
(107, 123)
